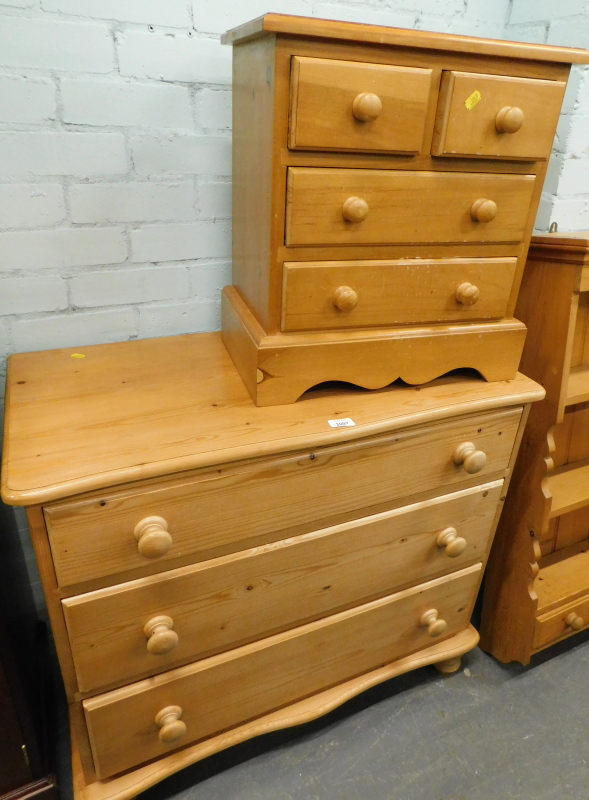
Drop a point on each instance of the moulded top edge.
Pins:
(402, 37)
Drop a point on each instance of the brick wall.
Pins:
(565, 199)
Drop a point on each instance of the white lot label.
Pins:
(341, 423)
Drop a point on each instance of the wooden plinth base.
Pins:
(129, 784)
(277, 369)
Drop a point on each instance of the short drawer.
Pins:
(152, 624)
(234, 508)
(335, 294)
(496, 116)
(346, 105)
(364, 206)
(564, 621)
(221, 692)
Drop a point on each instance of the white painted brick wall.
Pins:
(26, 295)
(131, 202)
(181, 242)
(173, 57)
(121, 103)
(73, 330)
(171, 13)
(62, 248)
(31, 205)
(49, 45)
(27, 100)
(565, 199)
(126, 286)
(36, 154)
(179, 154)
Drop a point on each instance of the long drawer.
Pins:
(365, 206)
(223, 691)
(152, 624)
(232, 509)
(340, 294)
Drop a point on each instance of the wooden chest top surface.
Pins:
(143, 409)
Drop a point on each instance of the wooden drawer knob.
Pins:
(171, 726)
(509, 119)
(355, 209)
(483, 210)
(345, 298)
(471, 459)
(366, 106)
(161, 639)
(435, 626)
(454, 544)
(574, 621)
(467, 294)
(153, 539)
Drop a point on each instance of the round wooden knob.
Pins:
(161, 639)
(171, 726)
(435, 627)
(509, 119)
(366, 106)
(471, 459)
(454, 544)
(574, 621)
(355, 209)
(345, 298)
(483, 210)
(153, 539)
(467, 294)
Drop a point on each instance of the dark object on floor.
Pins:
(25, 682)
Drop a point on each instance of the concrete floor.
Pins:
(488, 732)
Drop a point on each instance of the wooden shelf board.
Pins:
(569, 490)
(578, 386)
(563, 577)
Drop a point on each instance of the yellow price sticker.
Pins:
(474, 98)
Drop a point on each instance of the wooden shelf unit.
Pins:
(537, 591)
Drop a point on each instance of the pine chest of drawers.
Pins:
(385, 186)
(214, 570)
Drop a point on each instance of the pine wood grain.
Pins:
(533, 567)
(410, 207)
(95, 537)
(75, 425)
(129, 784)
(377, 34)
(322, 96)
(218, 693)
(238, 598)
(394, 292)
(471, 130)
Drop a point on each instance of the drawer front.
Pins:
(232, 509)
(336, 294)
(221, 692)
(224, 603)
(345, 105)
(495, 116)
(566, 620)
(395, 206)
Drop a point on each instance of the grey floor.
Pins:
(488, 732)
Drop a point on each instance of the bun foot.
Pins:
(449, 666)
